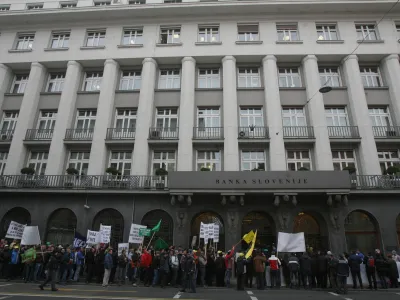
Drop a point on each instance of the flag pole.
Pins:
(150, 240)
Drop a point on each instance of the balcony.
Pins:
(208, 133)
(6, 135)
(39, 134)
(365, 182)
(79, 134)
(163, 133)
(252, 132)
(121, 133)
(52, 182)
(386, 132)
(304, 132)
(343, 132)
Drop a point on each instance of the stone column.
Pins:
(145, 117)
(186, 115)
(359, 110)
(230, 109)
(273, 107)
(27, 113)
(232, 228)
(391, 70)
(105, 112)
(316, 113)
(66, 110)
(5, 80)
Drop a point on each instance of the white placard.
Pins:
(291, 242)
(194, 240)
(202, 229)
(123, 246)
(15, 231)
(134, 237)
(93, 237)
(30, 236)
(211, 231)
(216, 233)
(105, 233)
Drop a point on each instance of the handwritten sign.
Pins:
(93, 237)
(105, 233)
(134, 236)
(15, 231)
(144, 232)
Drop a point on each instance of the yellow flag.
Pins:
(248, 237)
(250, 251)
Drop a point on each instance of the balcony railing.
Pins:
(253, 133)
(129, 182)
(163, 133)
(121, 133)
(364, 182)
(298, 131)
(39, 134)
(6, 135)
(386, 131)
(79, 134)
(208, 133)
(346, 132)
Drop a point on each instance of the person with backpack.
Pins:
(294, 268)
(274, 264)
(370, 268)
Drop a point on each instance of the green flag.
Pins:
(160, 244)
(157, 227)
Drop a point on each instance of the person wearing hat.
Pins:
(241, 271)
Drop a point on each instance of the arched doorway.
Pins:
(166, 232)
(314, 236)
(61, 227)
(207, 218)
(110, 216)
(16, 214)
(263, 223)
(362, 232)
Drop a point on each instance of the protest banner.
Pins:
(202, 229)
(15, 231)
(30, 236)
(79, 241)
(144, 232)
(93, 237)
(291, 242)
(134, 236)
(123, 246)
(105, 233)
(210, 231)
(216, 233)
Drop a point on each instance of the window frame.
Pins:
(344, 160)
(326, 30)
(388, 162)
(99, 35)
(3, 161)
(370, 75)
(49, 119)
(365, 28)
(330, 74)
(99, 3)
(298, 162)
(22, 38)
(171, 31)
(167, 117)
(5, 7)
(209, 78)
(15, 81)
(68, 4)
(248, 34)
(81, 161)
(91, 79)
(13, 119)
(374, 113)
(65, 34)
(333, 113)
(167, 162)
(34, 6)
(287, 30)
(209, 33)
(170, 78)
(56, 82)
(211, 161)
(290, 75)
(89, 117)
(38, 162)
(251, 161)
(137, 36)
(248, 75)
(121, 161)
(131, 80)
(210, 114)
(127, 117)
(294, 114)
(251, 114)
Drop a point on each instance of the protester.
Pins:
(342, 274)
(294, 268)
(164, 268)
(259, 266)
(241, 271)
(355, 261)
(90, 264)
(52, 267)
(121, 268)
(189, 271)
(79, 259)
(174, 263)
(108, 264)
(306, 271)
(274, 264)
(229, 260)
(393, 273)
(202, 267)
(370, 268)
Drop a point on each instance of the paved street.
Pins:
(20, 291)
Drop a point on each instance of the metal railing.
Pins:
(79, 134)
(253, 132)
(39, 134)
(364, 182)
(6, 135)
(208, 133)
(121, 133)
(163, 133)
(298, 132)
(129, 182)
(346, 132)
(386, 131)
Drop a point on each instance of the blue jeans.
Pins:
(228, 275)
(71, 272)
(65, 269)
(37, 272)
(77, 272)
(155, 277)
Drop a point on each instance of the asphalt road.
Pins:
(21, 291)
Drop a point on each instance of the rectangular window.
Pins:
(327, 32)
(248, 32)
(132, 36)
(208, 117)
(167, 118)
(126, 119)
(60, 40)
(133, 2)
(208, 159)
(92, 81)
(289, 78)
(95, 38)
(55, 83)
(68, 4)
(208, 34)
(209, 79)
(170, 35)
(329, 77)
(102, 3)
(292, 116)
(172, 1)
(130, 80)
(249, 78)
(86, 119)
(5, 7)
(342, 159)
(336, 116)
(371, 77)
(25, 41)
(388, 158)
(19, 84)
(298, 160)
(288, 32)
(169, 79)
(3, 161)
(47, 120)
(366, 32)
(80, 161)
(38, 162)
(251, 117)
(122, 161)
(8, 122)
(163, 160)
(380, 116)
(252, 160)
(32, 6)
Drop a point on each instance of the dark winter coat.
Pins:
(240, 265)
(294, 265)
(164, 263)
(322, 264)
(393, 271)
(343, 268)
(354, 262)
(314, 264)
(305, 265)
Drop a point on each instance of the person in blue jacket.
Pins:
(80, 260)
(108, 264)
(13, 263)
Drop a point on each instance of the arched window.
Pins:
(16, 214)
(361, 232)
(166, 232)
(61, 227)
(306, 223)
(207, 218)
(264, 225)
(114, 218)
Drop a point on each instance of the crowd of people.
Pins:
(187, 268)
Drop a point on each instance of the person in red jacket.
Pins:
(145, 262)
(229, 266)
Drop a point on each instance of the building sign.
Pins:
(232, 180)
